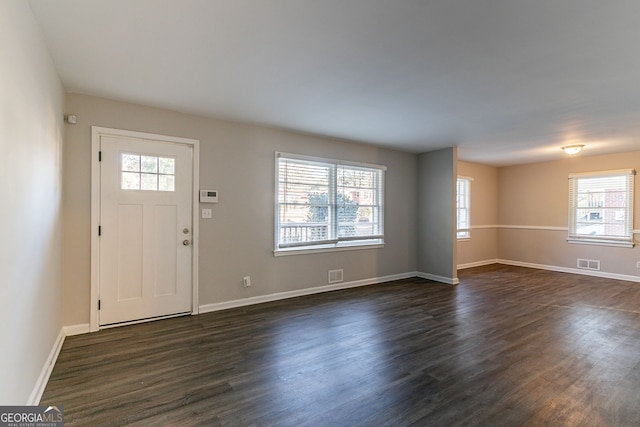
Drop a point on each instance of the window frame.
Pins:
(334, 242)
(625, 239)
(463, 233)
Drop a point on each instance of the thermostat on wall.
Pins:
(208, 196)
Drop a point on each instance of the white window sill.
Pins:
(464, 239)
(597, 242)
(350, 246)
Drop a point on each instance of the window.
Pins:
(150, 173)
(601, 207)
(323, 204)
(463, 218)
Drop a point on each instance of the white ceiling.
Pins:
(507, 81)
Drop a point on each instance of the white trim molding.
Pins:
(604, 274)
(289, 252)
(532, 227)
(477, 264)
(535, 227)
(436, 278)
(528, 227)
(521, 227)
(45, 373)
(207, 308)
(601, 243)
(79, 329)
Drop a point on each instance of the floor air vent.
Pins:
(335, 276)
(588, 264)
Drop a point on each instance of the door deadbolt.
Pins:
(185, 231)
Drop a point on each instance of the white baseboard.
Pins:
(477, 264)
(45, 373)
(70, 330)
(604, 274)
(206, 308)
(436, 278)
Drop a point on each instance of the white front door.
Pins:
(146, 231)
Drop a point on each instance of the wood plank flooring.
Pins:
(508, 346)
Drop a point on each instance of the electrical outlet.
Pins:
(246, 280)
(638, 264)
(207, 213)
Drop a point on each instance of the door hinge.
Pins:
(99, 156)
(98, 304)
(99, 230)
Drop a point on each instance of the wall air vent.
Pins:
(589, 264)
(335, 276)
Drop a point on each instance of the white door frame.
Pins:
(96, 134)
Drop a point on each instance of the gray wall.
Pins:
(31, 114)
(437, 172)
(238, 161)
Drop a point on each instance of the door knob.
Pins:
(186, 242)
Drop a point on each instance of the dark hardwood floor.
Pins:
(508, 346)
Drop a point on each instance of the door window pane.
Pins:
(130, 181)
(166, 182)
(149, 181)
(148, 173)
(149, 164)
(131, 163)
(167, 166)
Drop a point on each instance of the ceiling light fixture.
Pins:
(572, 149)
